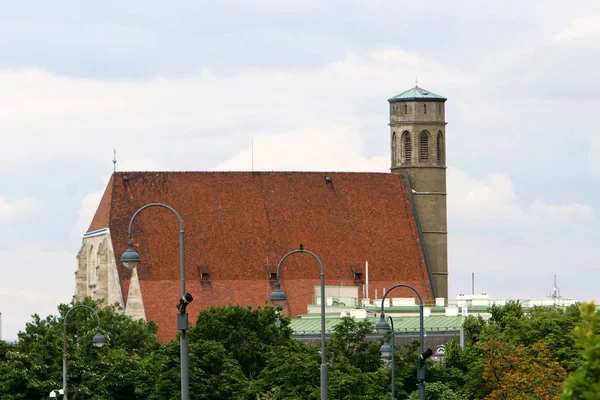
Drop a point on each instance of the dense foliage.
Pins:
(243, 354)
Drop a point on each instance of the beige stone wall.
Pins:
(428, 178)
(96, 275)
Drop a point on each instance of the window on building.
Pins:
(394, 154)
(440, 148)
(439, 108)
(424, 146)
(407, 143)
(424, 108)
(405, 109)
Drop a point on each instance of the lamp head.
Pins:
(183, 302)
(382, 326)
(130, 258)
(424, 356)
(386, 351)
(99, 339)
(277, 297)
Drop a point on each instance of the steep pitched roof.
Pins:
(101, 218)
(239, 224)
(416, 94)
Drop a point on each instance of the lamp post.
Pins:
(131, 259)
(98, 341)
(385, 351)
(279, 296)
(383, 326)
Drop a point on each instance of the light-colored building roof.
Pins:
(401, 324)
(417, 94)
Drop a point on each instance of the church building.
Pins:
(370, 230)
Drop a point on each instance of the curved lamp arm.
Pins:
(300, 251)
(181, 238)
(98, 341)
(323, 334)
(154, 205)
(422, 339)
(83, 306)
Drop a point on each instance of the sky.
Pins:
(195, 85)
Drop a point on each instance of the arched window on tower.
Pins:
(424, 108)
(440, 148)
(405, 109)
(394, 154)
(407, 147)
(424, 146)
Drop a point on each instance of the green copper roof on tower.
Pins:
(417, 94)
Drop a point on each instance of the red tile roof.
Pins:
(239, 224)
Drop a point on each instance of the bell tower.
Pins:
(418, 144)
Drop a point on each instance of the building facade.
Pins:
(366, 228)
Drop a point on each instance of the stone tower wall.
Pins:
(427, 177)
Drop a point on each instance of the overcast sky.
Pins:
(188, 85)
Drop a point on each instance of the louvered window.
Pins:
(423, 147)
(407, 147)
(394, 155)
(440, 148)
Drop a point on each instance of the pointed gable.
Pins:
(102, 216)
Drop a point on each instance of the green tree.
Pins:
(348, 343)
(437, 391)
(584, 383)
(246, 334)
(34, 368)
(521, 373)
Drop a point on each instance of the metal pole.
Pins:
(323, 333)
(420, 370)
(323, 340)
(393, 361)
(422, 345)
(64, 360)
(64, 357)
(183, 340)
(182, 321)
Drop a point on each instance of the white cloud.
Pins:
(335, 149)
(559, 212)
(582, 28)
(33, 281)
(85, 214)
(177, 121)
(594, 154)
(515, 250)
(11, 210)
(490, 198)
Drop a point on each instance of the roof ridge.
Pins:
(251, 172)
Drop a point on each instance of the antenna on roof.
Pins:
(416, 82)
(115, 160)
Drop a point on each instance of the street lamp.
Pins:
(98, 341)
(131, 259)
(278, 296)
(389, 352)
(383, 326)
